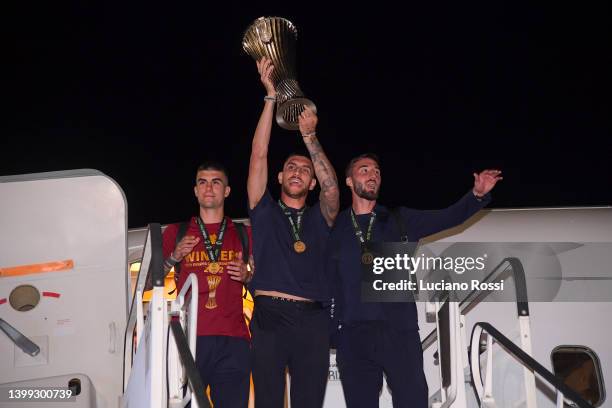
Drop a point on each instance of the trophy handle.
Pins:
(287, 112)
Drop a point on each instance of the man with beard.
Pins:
(376, 338)
(289, 324)
(210, 247)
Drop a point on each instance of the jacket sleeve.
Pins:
(421, 223)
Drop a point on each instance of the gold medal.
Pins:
(214, 267)
(367, 258)
(299, 246)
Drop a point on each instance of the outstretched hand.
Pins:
(265, 68)
(485, 181)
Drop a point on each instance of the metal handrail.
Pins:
(524, 358)
(152, 263)
(476, 296)
(193, 375)
(178, 307)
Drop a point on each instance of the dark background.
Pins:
(146, 91)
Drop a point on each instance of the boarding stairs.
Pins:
(160, 341)
(466, 368)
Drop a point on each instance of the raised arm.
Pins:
(329, 198)
(426, 222)
(258, 166)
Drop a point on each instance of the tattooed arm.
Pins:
(329, 198)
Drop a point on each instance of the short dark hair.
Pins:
(213, 165)
(300, 154)
(349, 167)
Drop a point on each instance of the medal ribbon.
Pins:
(213, 251)
(296, 226)
(359, 233)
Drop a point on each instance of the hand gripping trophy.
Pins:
(275, 38)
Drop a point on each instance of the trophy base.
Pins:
(288, 112)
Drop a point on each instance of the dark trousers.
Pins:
(367, 350)
(293, 335)
(224, 363)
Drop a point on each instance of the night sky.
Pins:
(145, 92)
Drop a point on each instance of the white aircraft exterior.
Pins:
(73, 316)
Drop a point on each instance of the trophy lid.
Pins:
(263, 30)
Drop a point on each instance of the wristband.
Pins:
(270, 98)
(478, 197)
(168, 264)
(250, 273)
(309, 134)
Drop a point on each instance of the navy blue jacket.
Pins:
(344, 257)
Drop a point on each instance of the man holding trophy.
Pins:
(290, 325)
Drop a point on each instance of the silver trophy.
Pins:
(275, 38)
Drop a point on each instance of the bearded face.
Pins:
(365, 179)
(368, 190)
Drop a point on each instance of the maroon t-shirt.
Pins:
(220, 300)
